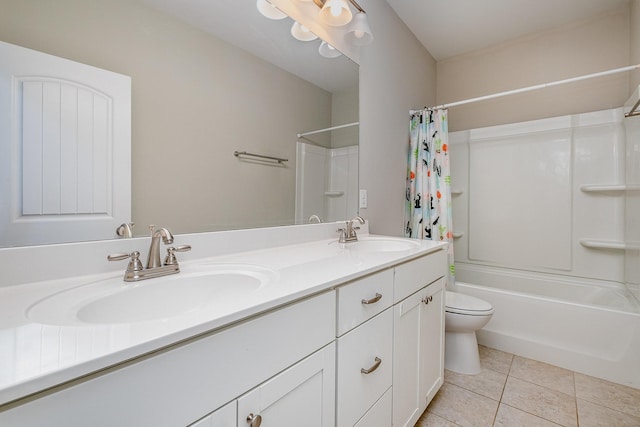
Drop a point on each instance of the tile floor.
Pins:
(512, 391)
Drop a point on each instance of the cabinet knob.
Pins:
(372, 300)
(427, 300)
(254, 420)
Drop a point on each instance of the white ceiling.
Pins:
(445, 27)
(451, 27)
(239, 23)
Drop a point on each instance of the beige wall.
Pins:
(187, 88)
(634, 45)
(344, 110)
(569, 51)
(396, 74)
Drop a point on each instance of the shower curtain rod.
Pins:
(300, 135)
(535, 87)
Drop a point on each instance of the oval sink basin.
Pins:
(380, 244)
(383, 245)
(114, 301)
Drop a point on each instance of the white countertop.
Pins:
(36, 356)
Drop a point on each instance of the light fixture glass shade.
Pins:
(328, 51)
(335, 13)
(270, 11)
(302, 33)
(359, 32)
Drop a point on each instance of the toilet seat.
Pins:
(466, 304)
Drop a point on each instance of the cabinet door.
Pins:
(303, 395)
(407, 316)
(418, 347)
(432, 342)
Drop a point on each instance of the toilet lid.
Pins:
(466, 304)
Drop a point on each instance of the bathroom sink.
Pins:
(113, 301)
(382, 244)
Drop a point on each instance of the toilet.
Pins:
(464, 315)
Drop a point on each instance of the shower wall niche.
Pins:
(326, 182)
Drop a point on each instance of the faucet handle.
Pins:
(125, 230)
(134, 265)
(171, 259)
(343, 235)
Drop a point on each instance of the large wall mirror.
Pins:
(208, 78)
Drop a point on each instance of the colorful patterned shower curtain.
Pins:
(428, 212)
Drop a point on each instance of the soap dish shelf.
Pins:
(613, 188)
(603, 244)
(334, 193)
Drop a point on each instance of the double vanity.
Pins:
(271, 327)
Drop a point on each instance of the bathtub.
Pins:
(588, 326)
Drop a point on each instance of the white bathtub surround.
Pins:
(543, 226)
(37, 354)
(632, 199)
(521, 189)
(326, 182)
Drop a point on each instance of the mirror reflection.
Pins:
(196, 98)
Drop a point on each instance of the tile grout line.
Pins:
(575, 393)
(509, 375)
(504, 387)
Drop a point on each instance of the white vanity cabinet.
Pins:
(366, 352)
(183, 383)
(391, 325)
(418, 337)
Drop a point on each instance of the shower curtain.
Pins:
(428, 212)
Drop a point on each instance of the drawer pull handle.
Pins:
(254, 420)
(372, 300)
(427, 300)
(375, 366)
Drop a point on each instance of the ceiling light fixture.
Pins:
(359, 32)
(302, 33)
(328, 51)
(270, 11)
(337, 13)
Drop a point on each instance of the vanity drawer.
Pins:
(415, 275)
(380, 414)
(359, 350)
(376, 291)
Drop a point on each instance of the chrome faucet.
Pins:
(155, 268)
(315, 218)
(125, 230)
(348, 234)
(153, 260)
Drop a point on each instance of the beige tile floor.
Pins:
(513, 391)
